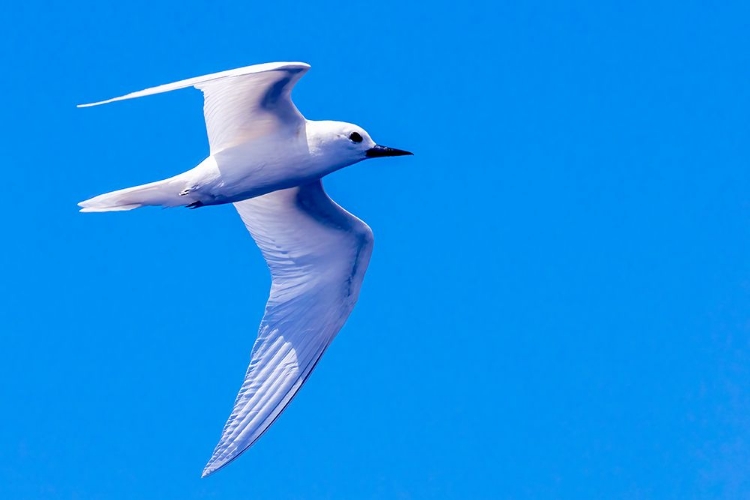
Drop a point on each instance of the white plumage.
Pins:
(268, 160)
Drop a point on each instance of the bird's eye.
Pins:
(355, 137)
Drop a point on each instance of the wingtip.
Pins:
(208, 470)
(92, 104)
(218, 461)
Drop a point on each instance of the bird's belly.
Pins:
(228, 179)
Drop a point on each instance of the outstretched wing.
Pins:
(317, 253)
(241, 104)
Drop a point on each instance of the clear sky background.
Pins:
(558, 304)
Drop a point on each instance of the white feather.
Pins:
(317, 253)
(240, 104)
(268, 160)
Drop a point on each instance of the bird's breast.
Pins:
(240, 173)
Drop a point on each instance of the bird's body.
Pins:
(268, 160)
(236, 173)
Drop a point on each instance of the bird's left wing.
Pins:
(241, 104)
(317, 253)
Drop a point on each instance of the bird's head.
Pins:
(346, 143)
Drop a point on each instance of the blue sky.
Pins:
(558, 304)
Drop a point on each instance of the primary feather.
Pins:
(317, 253)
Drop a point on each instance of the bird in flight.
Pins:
(268, 160)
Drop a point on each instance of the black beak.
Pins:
(381, 151)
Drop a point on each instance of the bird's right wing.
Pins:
(317, 253)
(241, 104)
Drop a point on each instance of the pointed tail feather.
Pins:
(165, 193)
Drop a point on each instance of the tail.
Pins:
(164, 193)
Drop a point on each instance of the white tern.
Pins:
(268, 160)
